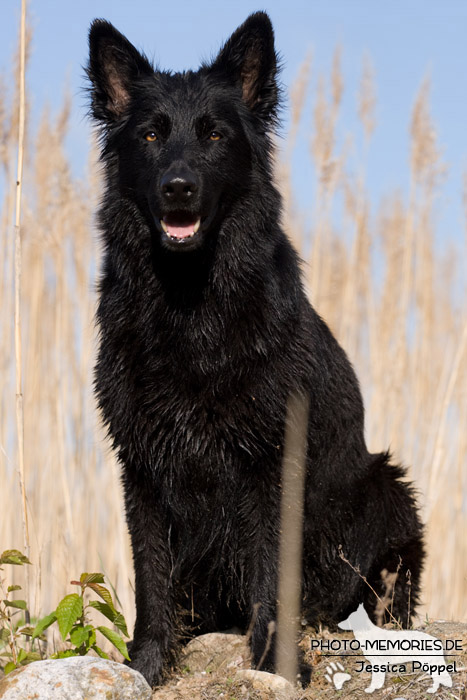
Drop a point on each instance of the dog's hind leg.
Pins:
(396, 580)
(402, 557)
(440, 679)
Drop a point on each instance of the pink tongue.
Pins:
(179, 230)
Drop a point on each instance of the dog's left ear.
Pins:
(248, 58)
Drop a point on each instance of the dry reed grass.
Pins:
(398, 319)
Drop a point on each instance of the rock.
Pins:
(216, 651)
(216, 666)
(75, 678)
(261, 680)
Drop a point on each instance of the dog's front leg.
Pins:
(154, 638)
(377, 681)
(263, 635)
(262, 596)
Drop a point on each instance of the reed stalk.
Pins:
(18, 271)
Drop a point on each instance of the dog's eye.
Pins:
(215, 136)
(150, 136)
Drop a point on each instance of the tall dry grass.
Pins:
(375, 278)
(392, 299)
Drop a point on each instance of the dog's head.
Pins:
(182, 146)
(355, 620)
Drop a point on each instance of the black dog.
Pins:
(205, 331)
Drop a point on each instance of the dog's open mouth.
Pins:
(180, 226)
(184, 230)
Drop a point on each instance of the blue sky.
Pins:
(405, 39)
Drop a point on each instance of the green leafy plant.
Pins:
(18, 638)
(15, 634)
(73, 622)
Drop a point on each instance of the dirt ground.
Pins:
(214, 667)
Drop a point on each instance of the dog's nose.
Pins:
(178, 185)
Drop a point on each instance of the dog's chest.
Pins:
(172, 408)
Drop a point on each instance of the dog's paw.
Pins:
(147, 661)
(336, 675)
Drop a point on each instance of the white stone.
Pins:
(216, 651)
(75, 678)
(262, 680)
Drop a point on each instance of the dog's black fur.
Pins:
(203, 338)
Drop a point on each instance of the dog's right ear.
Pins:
(114, 66)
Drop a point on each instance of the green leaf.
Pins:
(22, 653)
(20, 604)
(29, 657)
(4, 635)
(65, 654)
(80, 635)
(10, 666)
(85, 578)
(13, 556)
(121, 624)
(115, 639)
(106, 610)
(104, 594)
(43, 624)
(92, 638)
(99, 652)
(111, 614)
(68, 611)
(13, 588)
(28, 631)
